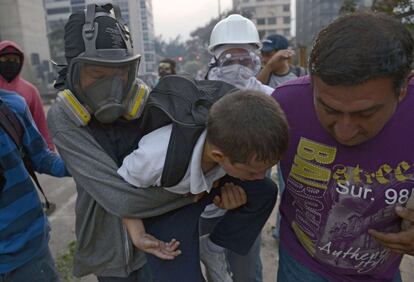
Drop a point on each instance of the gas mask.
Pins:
(103, 88)
(102, 80)
(130, 108)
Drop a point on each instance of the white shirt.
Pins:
(254, 84)
(143, 167)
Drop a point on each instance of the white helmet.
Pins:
(235, 29)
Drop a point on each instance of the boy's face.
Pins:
(254, 170)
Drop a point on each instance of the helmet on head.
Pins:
(235, 29)
(98, 45)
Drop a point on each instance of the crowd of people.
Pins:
(153, 203)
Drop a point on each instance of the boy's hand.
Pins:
(158, 248)
(198, 197)
(149, 243)
(231, 197)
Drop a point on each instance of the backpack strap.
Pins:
(184, 103)
(12, 126)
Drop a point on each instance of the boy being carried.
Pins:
(246, 134)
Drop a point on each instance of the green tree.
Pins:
(159, 46)
(191, 67)
(172, 49)
(175, 48)
(200, 39)
(400, 8)
(57, 42)
(348, 6)
(403, 9)
(194, 52)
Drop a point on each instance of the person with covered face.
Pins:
(11, 64)
(235, 45)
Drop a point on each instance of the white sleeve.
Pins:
(267, 89)
(254, 84)
(143, 167)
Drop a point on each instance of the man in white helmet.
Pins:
(234, 43)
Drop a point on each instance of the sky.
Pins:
(180, 17)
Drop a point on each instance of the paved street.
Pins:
(62, 192)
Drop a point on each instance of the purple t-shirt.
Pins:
(335, 193)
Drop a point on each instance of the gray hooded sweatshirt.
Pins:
(103, 245)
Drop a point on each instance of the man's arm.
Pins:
(276, 64)
(264, 75)
(36, 108)
(96, 172)
(42, 158)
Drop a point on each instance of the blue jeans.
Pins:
(140, 275)
(39, 269)
(246, 268)
(291, 270)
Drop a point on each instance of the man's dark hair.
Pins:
(359, 47)
(248, 125)
(171, 62)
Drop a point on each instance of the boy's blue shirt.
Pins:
(24, 228)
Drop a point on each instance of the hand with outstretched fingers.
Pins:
(158, 248)
(148, 243)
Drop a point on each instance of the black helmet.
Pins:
(100, 40)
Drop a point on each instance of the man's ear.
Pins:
(403, 91)
(217, 156)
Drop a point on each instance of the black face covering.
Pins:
(9, 70)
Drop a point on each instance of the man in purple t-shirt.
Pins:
(349, 170)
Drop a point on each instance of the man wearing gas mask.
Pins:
(234, 44)
(94, 126)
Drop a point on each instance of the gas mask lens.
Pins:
(245, 58)
(103, 87)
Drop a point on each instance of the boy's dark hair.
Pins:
(359, 47)
(248, 125)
